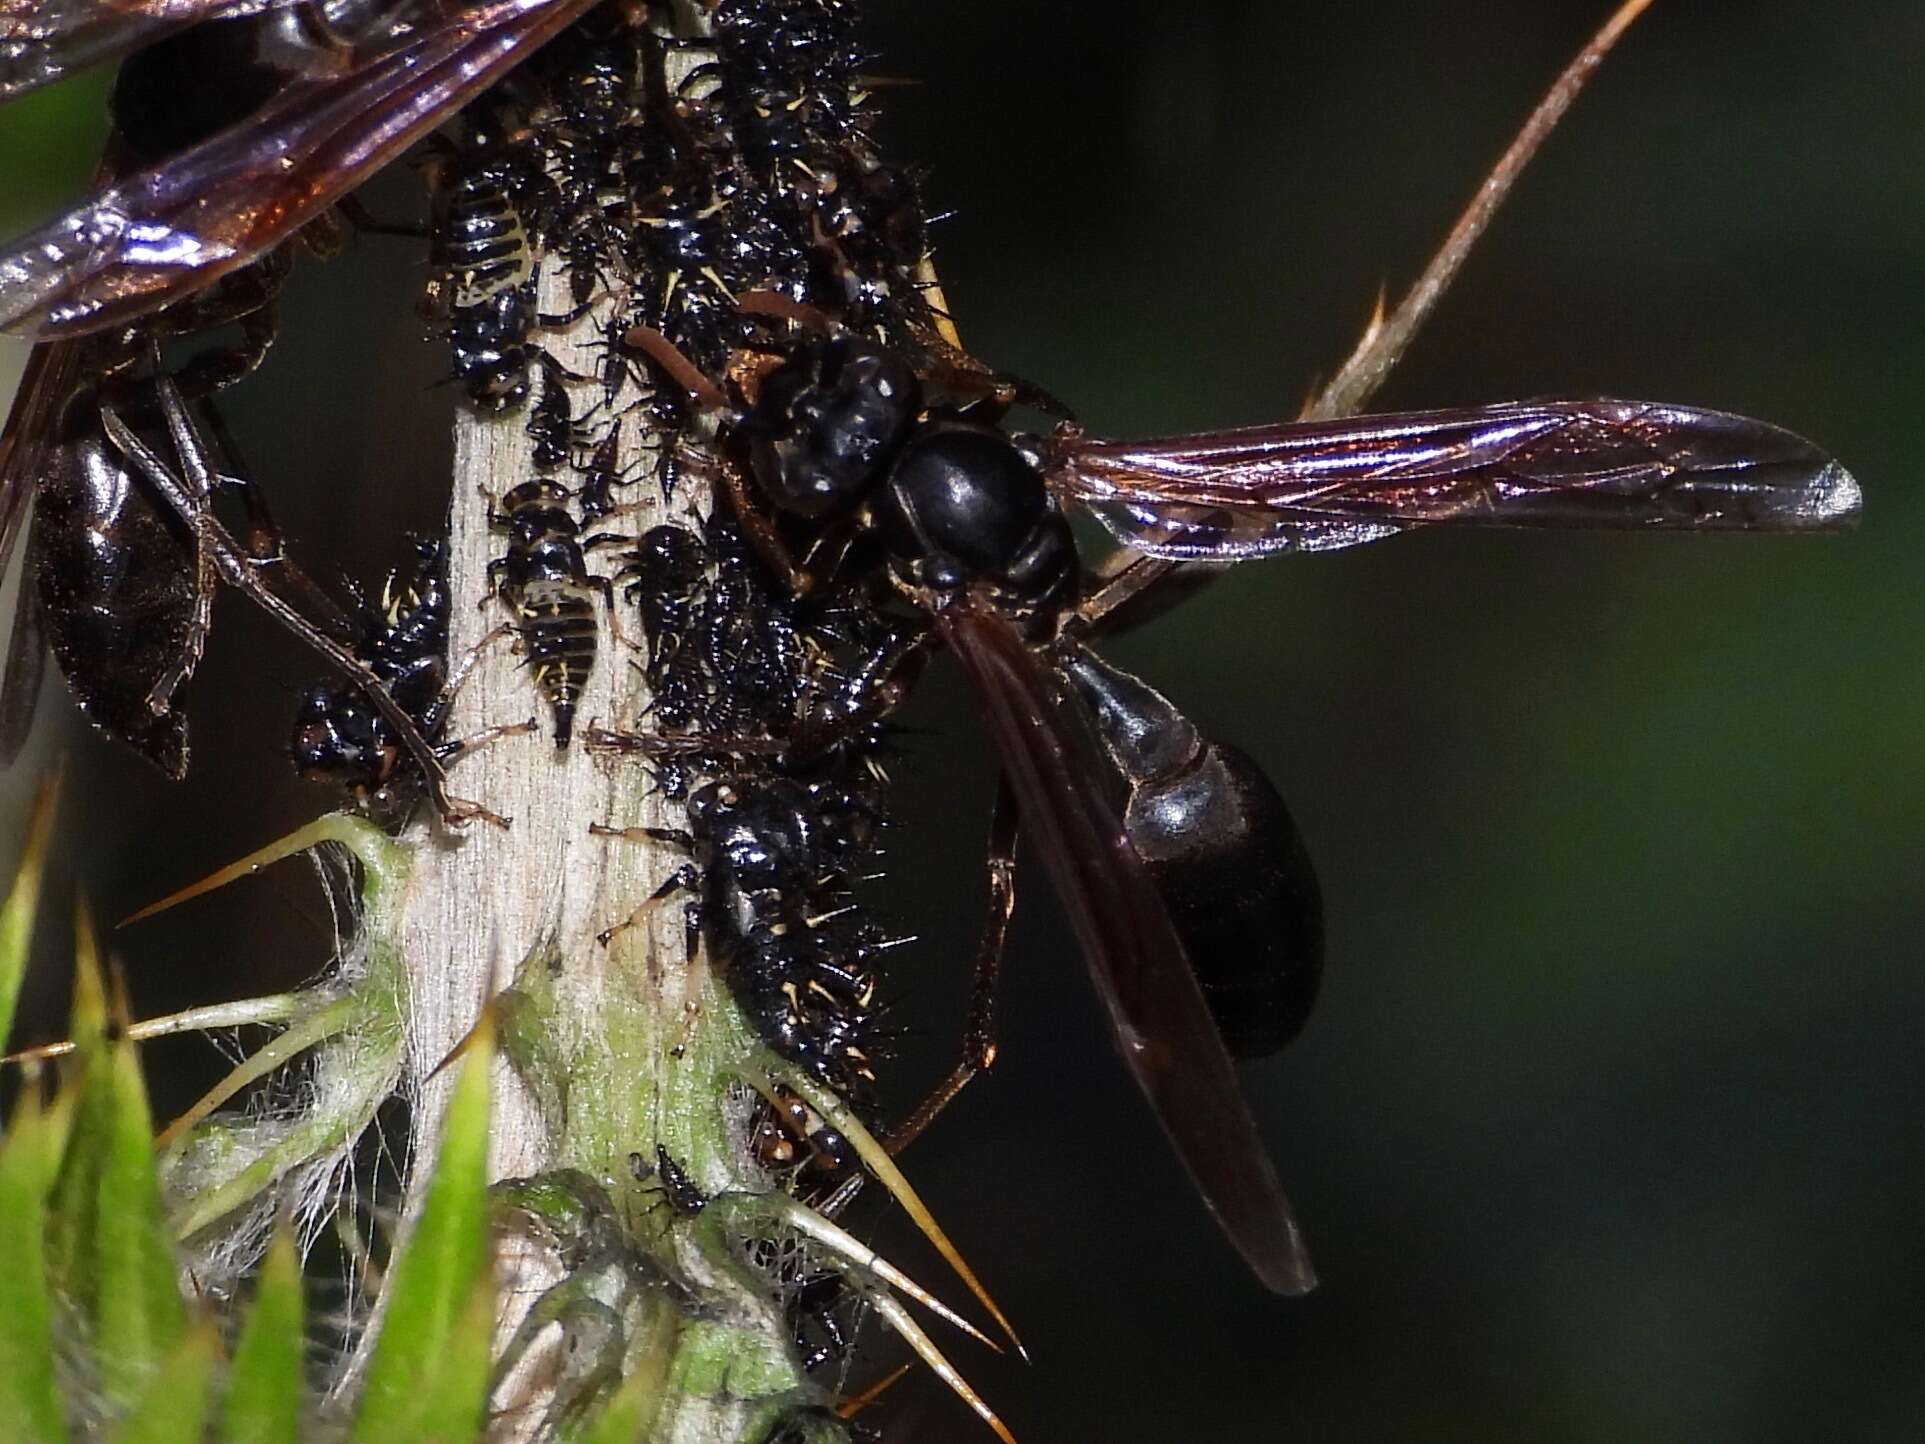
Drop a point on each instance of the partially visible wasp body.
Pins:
(544, 578)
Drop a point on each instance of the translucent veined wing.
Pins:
(151, 238)
(1151, 999)
(26, 444)
(1316, 486)
(42, 41)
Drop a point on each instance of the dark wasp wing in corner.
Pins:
(42, 41)
(1154, 1006)
(154, 237)
(26, 453)
(1317, 486)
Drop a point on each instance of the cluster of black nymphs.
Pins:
(751, 171)
(338, 733)
(727, 656)
(776, 858)
(758, 719)
(663, 203)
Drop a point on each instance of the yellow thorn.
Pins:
(938, 303)
(318, 1026)
(272, 1008)
(856, 1403)
(482, 1034)
(322, 829)
(805, 1220)
(877, 1160)
(898, 1319)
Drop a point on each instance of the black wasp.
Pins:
(1163, 845)
(375, 77)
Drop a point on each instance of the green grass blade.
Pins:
(263, 1404)
(428, 1377)
(107, 1239)
(628, 1415)
(174, 1408)
(29, 1155)
(16, 916)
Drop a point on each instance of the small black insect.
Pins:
(551, 420)
(545, 581)
(678, 1186)
(595, 497)
(820, 1310)
(482, 288)
(338, 735)
(772, 861)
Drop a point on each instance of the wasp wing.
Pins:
(42, 41)
(1155, 1009)
(46, 386)
(1317, 486)
(154, 237)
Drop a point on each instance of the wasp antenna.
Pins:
(682, 371)
(332, 828)
(272, 1008)
(856, 1403)
(1384, 342)
(898, 1319)
(877, 1160)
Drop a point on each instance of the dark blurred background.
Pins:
(1607, 1125)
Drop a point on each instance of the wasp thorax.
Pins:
(963, 506)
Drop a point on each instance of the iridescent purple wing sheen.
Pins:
(152, 238)
(1155, 1009)
(1317, 486)
(42, 41)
